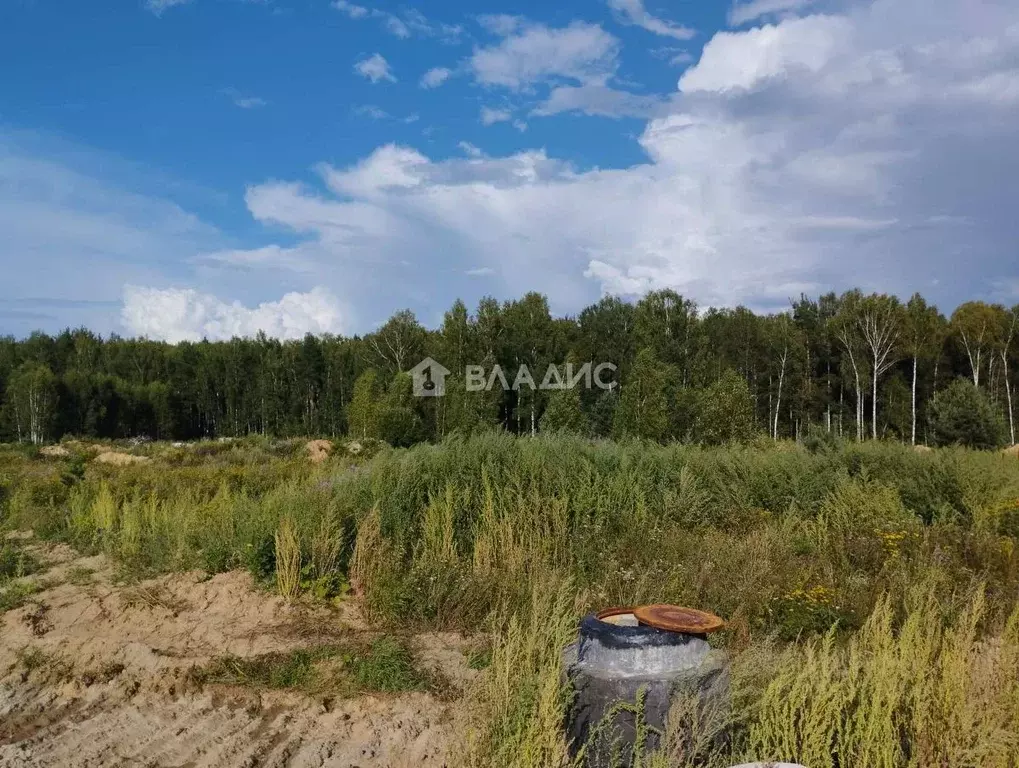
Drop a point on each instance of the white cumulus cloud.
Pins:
(406, 24)
(435, 77)
(634, 12)
(531, 53)
(743, 13)
(375, 68)
(599, 99)
(873, 147)
(353, 10)
(183, 314)
(744, 59)
(491, 116)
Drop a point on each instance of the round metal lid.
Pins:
(676, 618)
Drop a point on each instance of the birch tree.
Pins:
(32, 401)
(787, 343)
(846, 328)
(975, 324)
(921, 338)
(399, 343)
(880, 321)
(1007, 335)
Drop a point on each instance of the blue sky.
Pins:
(195, 168)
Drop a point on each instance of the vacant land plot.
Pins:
(239, 603)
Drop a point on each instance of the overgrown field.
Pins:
(870, 590)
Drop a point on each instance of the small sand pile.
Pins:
(55, 451)
(319, 450)
(1012, 450)
(119, 459)
(922, 448)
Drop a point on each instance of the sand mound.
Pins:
(922, 448)
(1012, 450)
(119, 459)
(319, 450)
(54, 451)
(94, 673)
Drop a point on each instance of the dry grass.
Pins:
(514, 714)
(118, 459)
(153, 596)
(926, 692)
(288, 559)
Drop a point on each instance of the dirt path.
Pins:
(97, 674)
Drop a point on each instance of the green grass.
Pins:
(295, 669)
(15, 594)
(15, 562)
(383, 665)
(386, 666)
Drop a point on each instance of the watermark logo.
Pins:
(430, 378)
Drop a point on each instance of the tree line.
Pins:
(851, 365)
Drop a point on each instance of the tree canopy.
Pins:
(853, 365)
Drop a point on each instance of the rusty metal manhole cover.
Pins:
(675, 618)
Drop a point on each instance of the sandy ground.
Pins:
(96, 674)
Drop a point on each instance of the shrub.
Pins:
(962, 414)
(727, 411)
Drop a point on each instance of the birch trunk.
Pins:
(1011, 421)
(778, 398)
(913, 437)
(873, 403)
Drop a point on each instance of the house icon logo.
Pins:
(429, 378)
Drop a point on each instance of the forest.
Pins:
(854, 365)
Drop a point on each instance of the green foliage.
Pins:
(463, 412)
(813, 365)
(820, 440)
(963, 415)
(363, 414)
(387, 666)
(30, 403)
(564, 413)
(726, 412)
(643, 409)
(399, 422)
(15, 562)
(808, 612)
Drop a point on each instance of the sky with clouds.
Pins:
(187, 168)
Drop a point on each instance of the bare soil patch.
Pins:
(96, 673)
